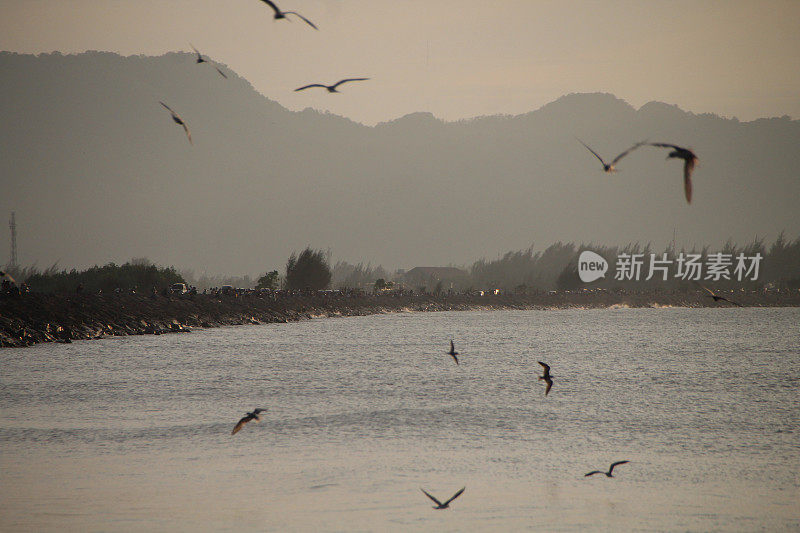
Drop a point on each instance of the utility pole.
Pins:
(13, 225)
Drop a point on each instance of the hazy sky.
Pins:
(457, 59)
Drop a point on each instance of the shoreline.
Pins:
(35, 317)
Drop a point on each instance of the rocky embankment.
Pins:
(32, 318)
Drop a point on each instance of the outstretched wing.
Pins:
(220, 72)
(688, 167)
(348, 79)
(188, 133)
(595, 153)
(452, 347)
(730, 301)
(709, 291)
(611, 468)
(196, 51)
(309, 86)
(168, 108)
(273, 6)
(546, 367)
(626, 152)
(549, 385)
(301, 16)
(454, 496)
(666, 145)
(240, 424)
(431, 497)
(593, 472)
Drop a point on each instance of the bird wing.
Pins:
(312, 85)
(302, 17)
(549, 385)
(611, 468)
(546, 367)
(454, 357)
(259, 410)
(196, 51)
(593, 472)
(688, 166)
(595, 153)
(454, 496)
(346, 80)
(626, 152)
(220, 72)
(709, 291)
(168, 108)
(452, 347)
(666, 145)
(188, 133)
(240, 424)
(431, 497)
(273, 6)
(730, 301)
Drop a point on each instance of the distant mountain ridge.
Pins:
(96, 171)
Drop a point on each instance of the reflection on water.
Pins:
(134, 433)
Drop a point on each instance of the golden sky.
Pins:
(456, 59)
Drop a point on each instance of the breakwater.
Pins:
(34, 317)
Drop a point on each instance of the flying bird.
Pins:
(546, 377)
(716, 297)
(282, 14)
(179, 120)
(453, 353)
(608, 474)
(201, 59)
(689, 160)
(440, 505)
(331, 88)
(609, 167)
(247, 418)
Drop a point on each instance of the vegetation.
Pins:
(309, 270)
(270, 280)
(136, 274)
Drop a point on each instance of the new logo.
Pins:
(591, 266)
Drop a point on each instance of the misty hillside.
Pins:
(96, 171)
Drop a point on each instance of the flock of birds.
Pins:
(689, 158)
(546, 377)
(689, 161)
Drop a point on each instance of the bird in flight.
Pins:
(716, 297)
(608, 474)
(546, 377)
(440, 505)
(609, 167)
(201, 59)
(331, 88)
(179, 120)
(689, 160)
(282, 14)
(453, 353)
(247, 418)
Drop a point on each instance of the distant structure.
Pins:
(430, 278)
(13, 225)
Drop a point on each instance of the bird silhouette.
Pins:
(331, 88)
(282, 14)
(610, 469)
(453, 353)
(440, 505)
(201, 59)
(247, 418)
(609, 167)
(689, 160)
(546, 377)
(179, 120)
(717, 297)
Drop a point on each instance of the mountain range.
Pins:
(96, 172)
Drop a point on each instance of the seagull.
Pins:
(282, 14)
(689, 160)
(179, 120)
(331, 88)
(610, 469)
(609, 167)
(247, 418)
(201, 59)
(546, 377)
(717, 298)
(453, 353)
(440, 505)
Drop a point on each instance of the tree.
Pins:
(268, 281)
(309, 270)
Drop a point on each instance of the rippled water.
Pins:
(134, 433)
